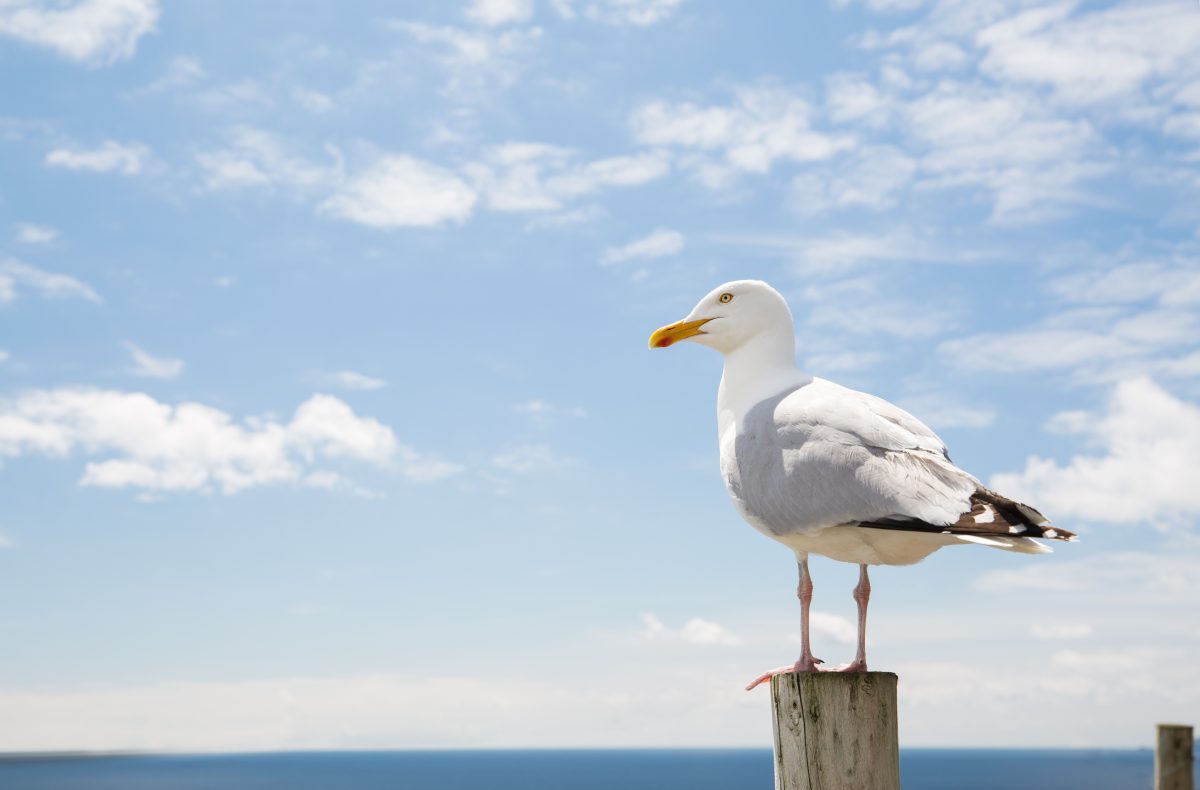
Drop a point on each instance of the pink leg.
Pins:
(862, 594)
(806, 662)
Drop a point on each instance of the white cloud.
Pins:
(885, 6)
(181, 72)
(313, 101)
(28, 233)
(499, 12)
(1094, 343)
(95, 32)
(255, 158)
(4, 355)
(397, 190)
(1054, 631)
(148, 366)
(762, 125)
(13, 273)
(528, 177)
(660, 243)
(402, 191)
(1031, 161)
(127, 159)
(873, 180)
(1093, 56)
(351, 380)
(512, 176)
(1121, 319)
(856, 98)
(235, 97)
(639, 13)
(974, 119)
(527, 458)
(842, 251)
(696, 631)
(614, 171)
(1145, 472)
(476, 62)
(5, 541)
(422, 469)
(543, 411)
(1172, 283)
(832, 626)
(145, 444)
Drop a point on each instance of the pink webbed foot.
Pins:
(809, 665)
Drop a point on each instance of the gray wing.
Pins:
(824, 455)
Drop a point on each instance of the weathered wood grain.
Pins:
(835, 731)
(1173, 769)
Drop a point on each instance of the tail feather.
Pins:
(992, 520)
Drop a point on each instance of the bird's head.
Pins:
(730, 316)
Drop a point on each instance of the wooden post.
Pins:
(835, 731)
(1173, 768)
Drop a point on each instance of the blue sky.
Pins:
(327, 421)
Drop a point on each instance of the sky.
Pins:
(327, 418)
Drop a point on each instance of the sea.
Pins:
(641, 769)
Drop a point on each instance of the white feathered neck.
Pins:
(761, 367)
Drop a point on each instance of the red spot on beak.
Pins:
(666, 341)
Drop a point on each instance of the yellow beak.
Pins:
(680, 330)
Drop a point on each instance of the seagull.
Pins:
(827, 470)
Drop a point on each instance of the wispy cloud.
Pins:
(529, 458)
(529, 176)
(763, 124)
(255, 158)
(29, 233)
(636, 13)
(15, 275)
(543, 411)
(149, 366)
(660, 243)
(181, 72)
(313, 101)
(127, 159)
(348, 379)
(94, 32)
(476, 62)
(1095, 55)
(696, 631)
(499, 12)
(875, 179)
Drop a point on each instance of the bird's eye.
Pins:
(726, 298)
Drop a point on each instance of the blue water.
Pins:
(716, 769)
